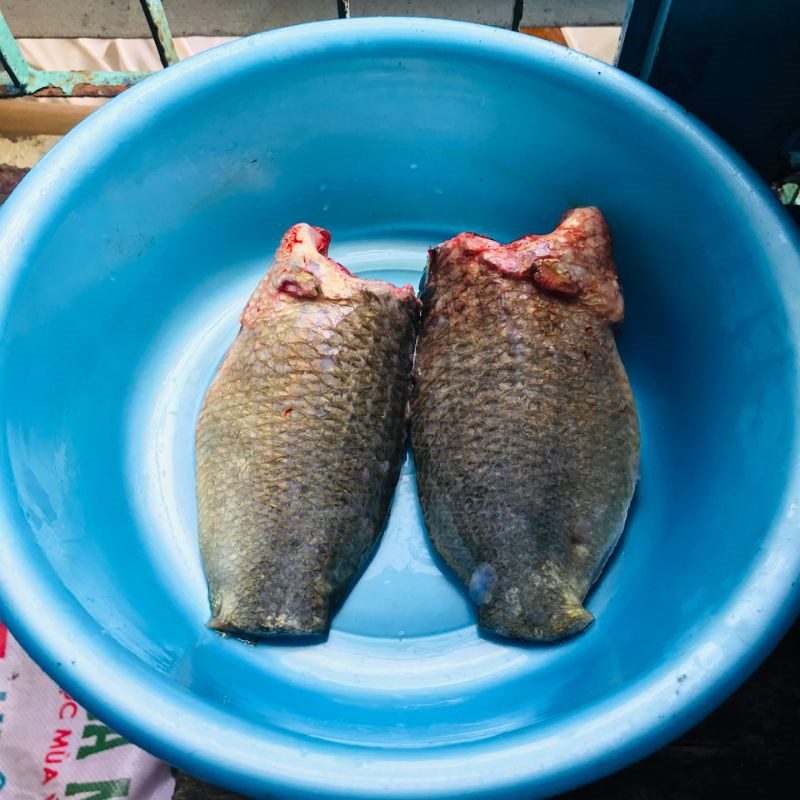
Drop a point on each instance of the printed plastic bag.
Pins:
(51, 748)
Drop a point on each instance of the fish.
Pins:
(523, 424)
(300, 439)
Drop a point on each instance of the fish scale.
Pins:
(524, 426)
(300, 439)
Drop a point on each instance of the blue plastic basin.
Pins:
(125, 259)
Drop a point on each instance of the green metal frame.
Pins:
(21, 79)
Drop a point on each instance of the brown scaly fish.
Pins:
(524, 428)
(299, 440)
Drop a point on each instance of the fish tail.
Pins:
(566, 621)
(543, 605)
(546, 625)
(248, 618)
(220, 625)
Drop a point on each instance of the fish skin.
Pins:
(524, 427)
(300, 439)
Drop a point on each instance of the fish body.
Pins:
(299, 440)
(524, 427)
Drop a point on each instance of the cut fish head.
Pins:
(303, 271)
(573, 262)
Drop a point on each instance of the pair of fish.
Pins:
(523, 424)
